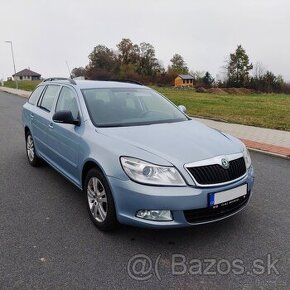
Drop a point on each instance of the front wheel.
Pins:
(100, 201)
(33, 159)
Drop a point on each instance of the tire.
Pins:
(33, 159)
(100, 201)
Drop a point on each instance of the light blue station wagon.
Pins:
(139, 159)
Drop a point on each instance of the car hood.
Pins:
(180, 142)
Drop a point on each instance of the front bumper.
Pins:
(130, 197)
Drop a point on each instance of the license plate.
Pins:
(228, 196)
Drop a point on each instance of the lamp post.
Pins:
(11, 45)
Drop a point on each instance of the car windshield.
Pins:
(115, 107)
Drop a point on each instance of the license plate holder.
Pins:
(227, 197)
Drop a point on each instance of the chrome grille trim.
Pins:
(214, 161)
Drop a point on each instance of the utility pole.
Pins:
(11, 45)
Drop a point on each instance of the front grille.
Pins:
(208, 214)
(215, 173)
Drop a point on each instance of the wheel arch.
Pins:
(26, 130)
(88, 165)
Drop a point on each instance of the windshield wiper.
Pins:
(140, 123)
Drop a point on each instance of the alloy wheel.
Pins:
(30, 148)
(97, 199)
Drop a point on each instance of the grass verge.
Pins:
(262, 110)
(22, 85)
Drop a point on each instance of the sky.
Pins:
(49, 34)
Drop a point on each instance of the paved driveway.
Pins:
(48, 241)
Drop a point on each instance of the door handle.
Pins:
(31, 115)
(50, 125)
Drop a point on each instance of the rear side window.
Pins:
(49, 96)
(35, 95)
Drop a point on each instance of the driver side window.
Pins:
(67, 102)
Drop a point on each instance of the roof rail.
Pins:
(59, 79)
(125, 81)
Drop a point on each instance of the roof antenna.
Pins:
(69, 71)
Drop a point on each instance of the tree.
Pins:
(238, 68)
(272, 83)
(129, 58)
(103, 63)
(198, 75)
(178, 64)
(208, 80)
(102, 58)
(259, 70)
(256, 82)
(148, 64)
(268, 82)
(78, 72)
(128, 52)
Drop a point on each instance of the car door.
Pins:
(66, 137)
(42, 118)
(30, 108)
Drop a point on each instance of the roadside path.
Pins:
(269, 140)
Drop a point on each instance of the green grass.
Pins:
(262, 110)
(22, 85)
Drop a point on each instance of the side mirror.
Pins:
(182, 109)
(65, 117)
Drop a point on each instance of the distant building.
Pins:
(80, 78)
(184, 81)
(26, 75)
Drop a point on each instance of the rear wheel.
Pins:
(33, 159)
(100, 201)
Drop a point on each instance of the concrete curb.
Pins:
(21, 93)
(262, 147)
(269, 153)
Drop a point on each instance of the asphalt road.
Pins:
(48, 241)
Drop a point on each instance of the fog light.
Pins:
(154, 215)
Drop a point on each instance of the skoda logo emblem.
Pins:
(225, 163)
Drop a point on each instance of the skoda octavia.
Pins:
(139, 159)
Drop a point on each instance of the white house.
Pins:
(26, 75)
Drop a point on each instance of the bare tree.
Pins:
(259, 70)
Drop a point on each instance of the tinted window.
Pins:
(129, 107)
(67, 101)
(35, 95)
(49, 95)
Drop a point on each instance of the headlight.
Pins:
(145, 172)
(247, 158)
